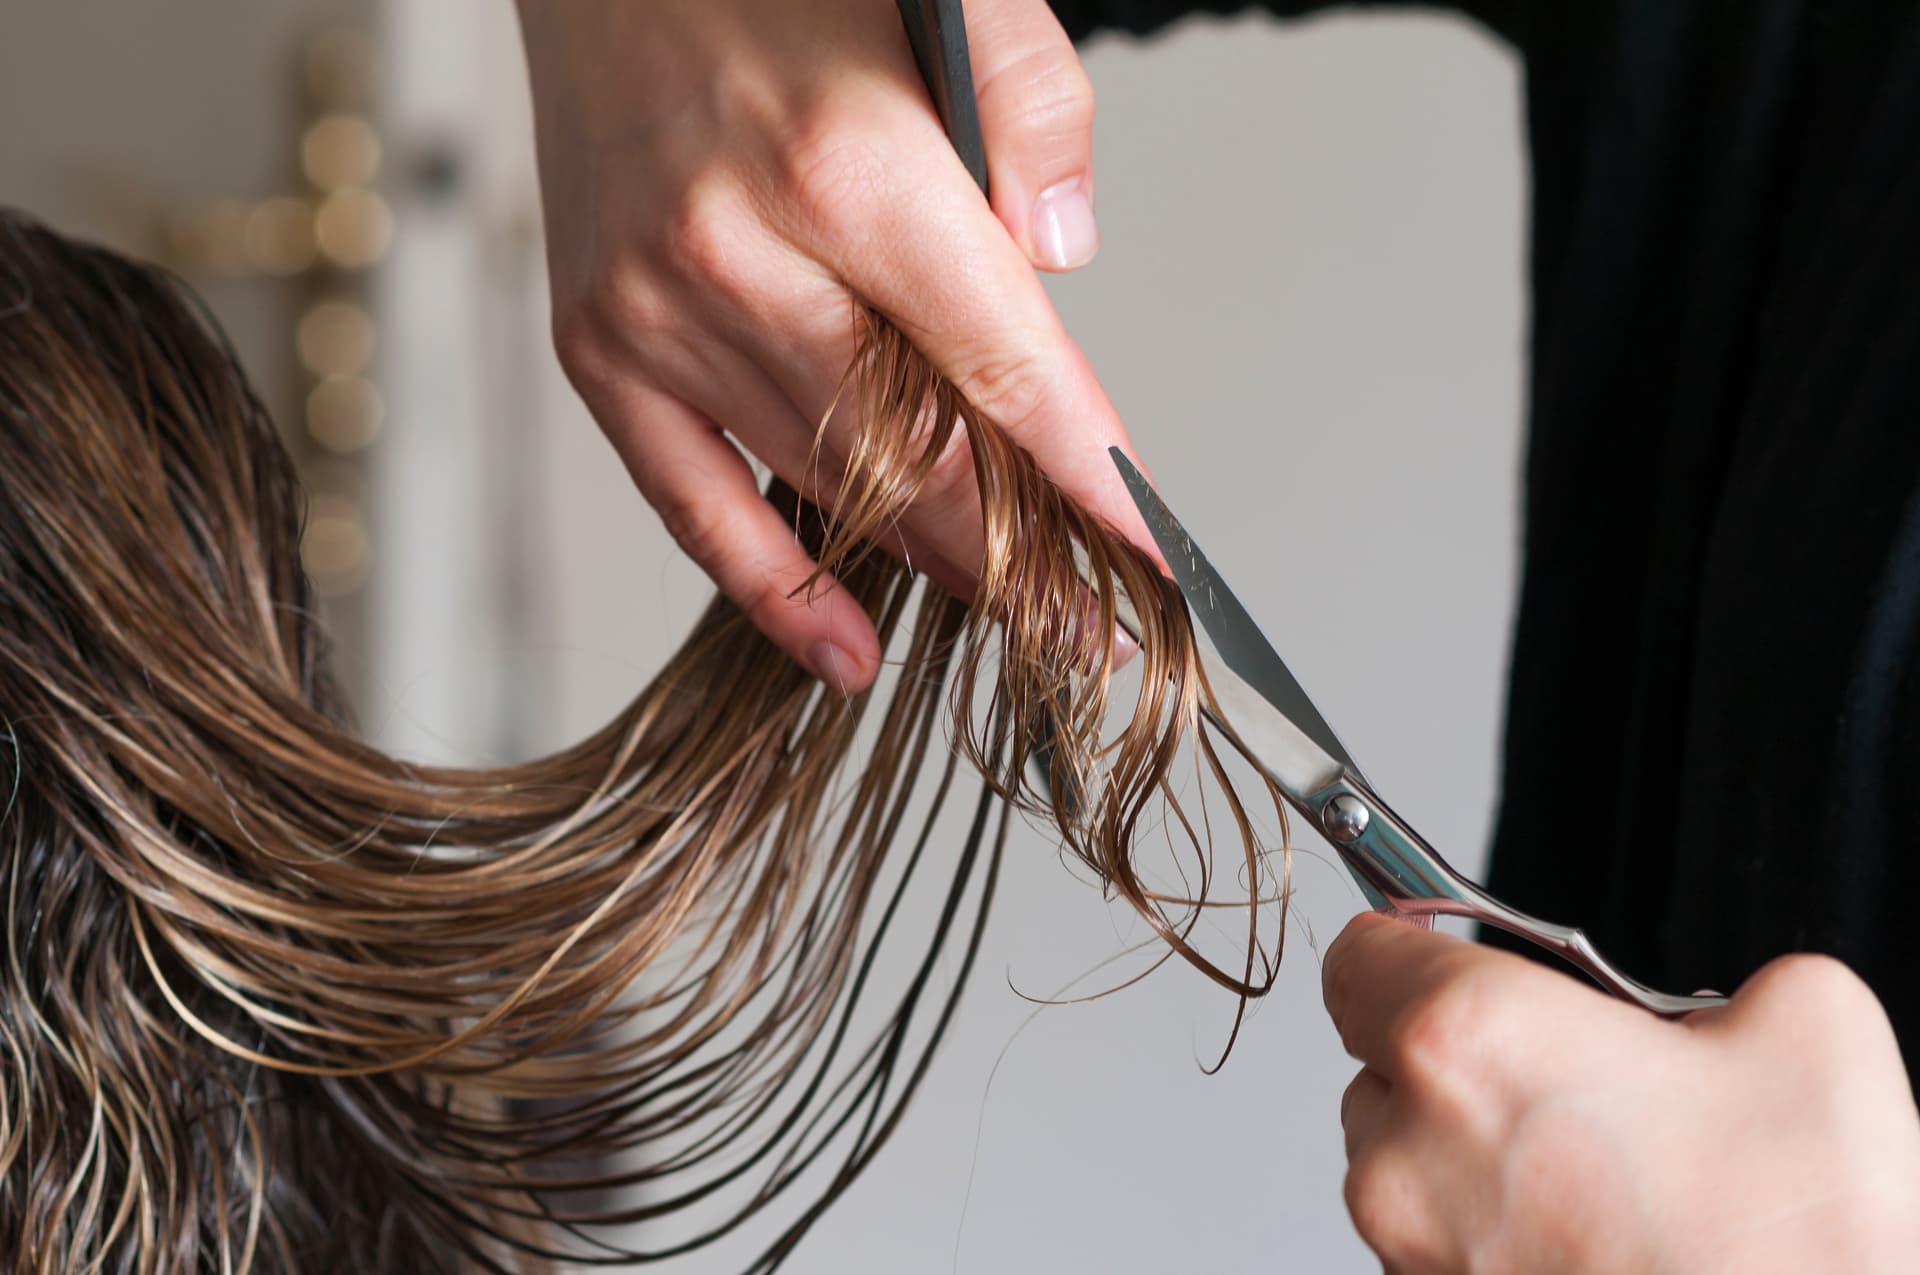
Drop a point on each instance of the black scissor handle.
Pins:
(937, 29)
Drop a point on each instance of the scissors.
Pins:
(1263, 706)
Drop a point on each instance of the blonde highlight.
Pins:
(274, 1000)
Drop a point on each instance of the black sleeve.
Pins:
(1082, 18)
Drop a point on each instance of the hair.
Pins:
(274, 1000)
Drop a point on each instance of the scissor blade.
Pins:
(1241, 647)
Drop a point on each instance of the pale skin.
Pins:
(722, 180)
(1510, 1119)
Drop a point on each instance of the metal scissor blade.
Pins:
(1242, 647)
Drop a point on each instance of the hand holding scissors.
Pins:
(1262, 706)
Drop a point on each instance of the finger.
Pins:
(1805, 1003)
(1364, 1110)
(705, 493)
(771, 428)
(1375, 971)
(989, 328)
(818, 473)
(1428, 1009)
(1388, 1195)
(898, 222)
(709, 376)
(1036, 116)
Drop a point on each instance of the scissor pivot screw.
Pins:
(1346, 817)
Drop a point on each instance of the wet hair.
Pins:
(274, 1000)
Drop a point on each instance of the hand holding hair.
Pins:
(1510, 1119)
(723, 180)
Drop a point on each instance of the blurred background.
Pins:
(1308, 306)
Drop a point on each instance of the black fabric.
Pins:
(1713, 738)
(1082, 18)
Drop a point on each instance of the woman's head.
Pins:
(157, 642)
(144, 490)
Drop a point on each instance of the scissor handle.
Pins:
(937, 30)
(1399, 871)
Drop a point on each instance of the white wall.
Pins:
(1308, 307)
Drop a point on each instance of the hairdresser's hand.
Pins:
(722, 177)
(1509, 1119)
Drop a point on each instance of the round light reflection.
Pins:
(335, 338)
(334, 547)
(340, 150)
(344, 413)
(353, 227)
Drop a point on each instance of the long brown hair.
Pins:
(274, 1000)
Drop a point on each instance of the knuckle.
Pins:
(1009, 387)
(1437, 1037)
(1337, 980)
(576, 342)
(699, 238)
(1350, 1094)
(698, 526)
(833, 170)
(1806, 977)
(708, 532)
(1371, 1194)
(1340, 984)
(1392, 1210)
(1045, 92)
(624, 312)
(1818, 992)
(762, 603)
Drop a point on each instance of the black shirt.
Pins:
(1713, 731)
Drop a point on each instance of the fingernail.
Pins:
(1124, 647)
(1064, 232)
(833, 666)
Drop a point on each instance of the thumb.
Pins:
(1036, 115)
